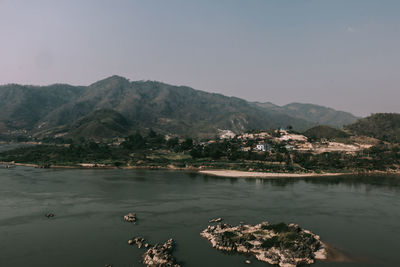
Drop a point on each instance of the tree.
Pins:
(196, 152)
(187, 144)
(135, 141)
(173, 142)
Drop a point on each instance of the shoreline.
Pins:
(209, 172)
(247, 174)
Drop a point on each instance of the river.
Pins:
(358, 215)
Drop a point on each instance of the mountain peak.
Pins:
(112, 80)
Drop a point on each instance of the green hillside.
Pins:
(324, 132)
(22, 107)
(168, 109)
(314, 113)
(383, 126)
(100, 124)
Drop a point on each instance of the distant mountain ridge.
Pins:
(66, 110)
(315, 113)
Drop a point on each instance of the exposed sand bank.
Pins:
(244, 174)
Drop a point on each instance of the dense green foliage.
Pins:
(289, 237)
(62, 155)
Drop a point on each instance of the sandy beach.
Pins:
(244, 174)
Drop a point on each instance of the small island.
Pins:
(157, 255)
(287, 245)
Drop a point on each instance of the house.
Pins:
(263, 147)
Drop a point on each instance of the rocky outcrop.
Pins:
(215, 220)
(139, 242)
(282, 244)
(160, 255)
(130, 217)
(157, 255)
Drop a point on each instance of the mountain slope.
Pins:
(383, 126)
(22, 107)
(181, 110)
(324, 132)
(171, 109)
(313, 113)
(100, 124)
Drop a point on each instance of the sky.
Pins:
(344, 54)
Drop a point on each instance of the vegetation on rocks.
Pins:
(283, 244)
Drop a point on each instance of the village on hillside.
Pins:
(269, 141)
(320, 149)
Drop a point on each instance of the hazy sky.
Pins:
(340, 53)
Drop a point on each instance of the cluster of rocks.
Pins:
(160, 255)
(130, 217)
(157, 255)
(282, 244)
(139, 241)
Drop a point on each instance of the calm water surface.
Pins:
(358, 215)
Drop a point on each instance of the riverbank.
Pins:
(209, 172)
(247, 174)
(99, 166)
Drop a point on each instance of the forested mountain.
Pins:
(383, 126)
(116, 106)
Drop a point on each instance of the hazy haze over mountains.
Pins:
(342, 54)
(116, 107)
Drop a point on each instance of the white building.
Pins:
(261, 147)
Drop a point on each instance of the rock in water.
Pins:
(160, 255)
(139, 241)
(282, 244)
(130, 217)
(215, 220)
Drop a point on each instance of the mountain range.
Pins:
(115, 107)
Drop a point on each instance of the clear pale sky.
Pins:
(339, 53)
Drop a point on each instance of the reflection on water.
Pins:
(356, 214)
(391, 182)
